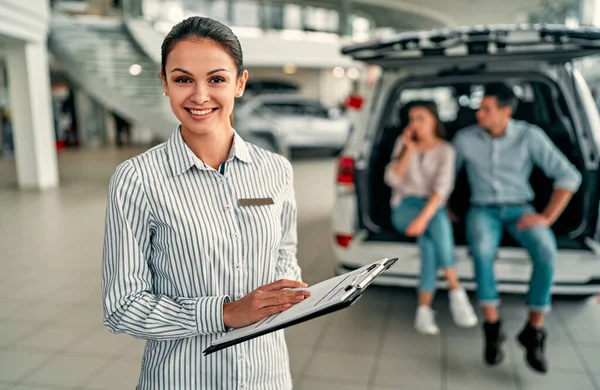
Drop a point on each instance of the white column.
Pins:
(590, 12)
(31, 109)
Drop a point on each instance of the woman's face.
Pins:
(423, 123)
(201, 83)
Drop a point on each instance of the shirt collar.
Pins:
(181, 158)
(510, 130)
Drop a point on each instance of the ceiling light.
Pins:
(135, 69)
(289, 68)
(353, 73)
(338, 72)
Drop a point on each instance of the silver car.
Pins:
(299, 121)
(450, 66)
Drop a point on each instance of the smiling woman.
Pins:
(202, 74)
(186, 256)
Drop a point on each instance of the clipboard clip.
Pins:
(355, 284)
(360, 285)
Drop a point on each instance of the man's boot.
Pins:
(533, 340)
(494, 342)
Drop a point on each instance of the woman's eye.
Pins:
(217, 80)
(182, 80)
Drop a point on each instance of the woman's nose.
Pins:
(200, 95)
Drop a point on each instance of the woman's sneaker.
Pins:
(425, 321)
(461, 309)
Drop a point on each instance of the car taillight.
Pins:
(343, 240)
(354, 102)
(345, 173)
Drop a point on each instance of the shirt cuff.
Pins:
(567, 184)
(443, 192)
(209, 314)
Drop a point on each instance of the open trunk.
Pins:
(541, 103)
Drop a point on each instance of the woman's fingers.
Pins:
(270, 310)
(281, 284)
(285, 296)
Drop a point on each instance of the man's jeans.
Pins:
(485, 227)
(436, 243)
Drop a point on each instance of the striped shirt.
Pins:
(178, 246)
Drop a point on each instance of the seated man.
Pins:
(499, 154)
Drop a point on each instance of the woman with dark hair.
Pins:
(201, 231)
(421, 175)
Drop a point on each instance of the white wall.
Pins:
(308, 79)
(333, 90)
(24, 19)
(307, 50)
(265, 55)
(318, 84)
(262, 49)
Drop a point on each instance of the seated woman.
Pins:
(421, 175)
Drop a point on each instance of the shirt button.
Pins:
(241, 357)
(236, 236)
(242, 386)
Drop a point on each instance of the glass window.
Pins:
(312, 109)
(218, 10)
(360, 28)
(321, 19)
(442, 96)
(292, 17)
(449, 99)
(195, 7)
(285, 108)
(246, 13)
(3, 83)
(273, 16)
(316, 110)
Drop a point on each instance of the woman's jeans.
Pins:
(436, 243)
(485, 227)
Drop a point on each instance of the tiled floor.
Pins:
(51, 333)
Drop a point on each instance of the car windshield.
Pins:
(450, 99)
(296, 109)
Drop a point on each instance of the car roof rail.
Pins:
(478, 40)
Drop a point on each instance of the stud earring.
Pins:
(164, 94)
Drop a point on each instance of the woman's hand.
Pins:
(264, 301)
(408, 138)
(417, 227)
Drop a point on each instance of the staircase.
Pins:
(105, 62)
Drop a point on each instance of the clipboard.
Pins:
(326, 297)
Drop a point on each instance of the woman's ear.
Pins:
(241, 84)
(164, 83)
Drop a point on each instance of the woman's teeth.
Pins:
(201, 112)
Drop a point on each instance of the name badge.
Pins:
(256, 201)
